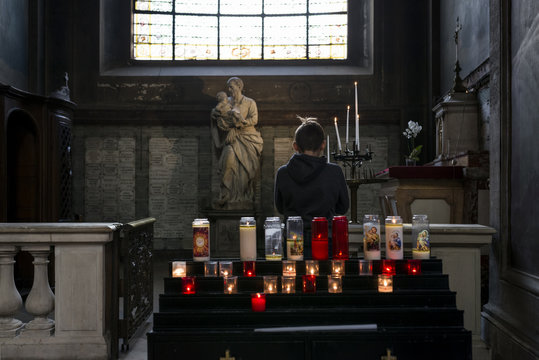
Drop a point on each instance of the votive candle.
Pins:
(225, 268)
(312, 267)
(179, 269)
(249, 269)
(188, 285)
(365, 267)
(258, 302)
(394, 238)
(270, 284)
(230, 285)
(371, 237)
(309, 283)
(211, 268)
(340, 237)
(385, 283)
(414, 267)
(319, 238)
(334, 284)
(388, 267)
(289, 268)
(288, 284)
(337, 267)
(247, 239)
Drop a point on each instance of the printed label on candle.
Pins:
(201, 247)
(371, 241)
(394, 236)
(294, 247)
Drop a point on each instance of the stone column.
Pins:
(10, 299)
(40, 300)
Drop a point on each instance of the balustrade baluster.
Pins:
(10, 299)
(40, 300)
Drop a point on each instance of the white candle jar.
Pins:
(289, 268)
(371, 237)
(394, 238)
(247, 239)
(420, 237)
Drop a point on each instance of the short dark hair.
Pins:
(309, 135)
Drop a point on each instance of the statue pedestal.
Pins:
(225, 232)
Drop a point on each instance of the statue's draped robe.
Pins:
(241, 147)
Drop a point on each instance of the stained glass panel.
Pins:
(285, 30)
(196, 38)
(154, 5)
(241, 7)
(328, 6)
(196, 7)
(328, 29)
(285, 7)
(232, 29)
(153, 36)
(241, 38)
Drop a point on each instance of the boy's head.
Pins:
(309, 135)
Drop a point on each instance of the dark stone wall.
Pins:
(14, 26)
(473, 38)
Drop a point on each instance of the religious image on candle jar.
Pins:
(201, 240)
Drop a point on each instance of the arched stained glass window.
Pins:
(240, 30)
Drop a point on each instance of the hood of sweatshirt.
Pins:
(304, 168)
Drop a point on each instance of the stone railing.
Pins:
(84, 298)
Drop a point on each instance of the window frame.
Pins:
(359, 51)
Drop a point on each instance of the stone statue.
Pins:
(238, 145)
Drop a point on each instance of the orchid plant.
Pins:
(411, 133)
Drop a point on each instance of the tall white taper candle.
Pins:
(338, 135)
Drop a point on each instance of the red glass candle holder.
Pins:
(258, 302)
(309, 283)
(388, 267)
(188, 285)
(249, 268)
(319, 238)
(340, 237)
(414, 267)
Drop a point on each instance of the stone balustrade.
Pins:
(75, 320)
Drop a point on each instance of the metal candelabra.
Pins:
(352, 158)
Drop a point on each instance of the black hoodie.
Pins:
(308, 186)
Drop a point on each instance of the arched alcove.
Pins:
(23, 185)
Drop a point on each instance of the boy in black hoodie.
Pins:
(308, 185)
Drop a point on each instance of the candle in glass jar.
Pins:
(420, 237)
(225, 268)
(337, 267)
(179, 269)
(385, 283)
(288, 284)
(273, 238)
(309, 283)
(365, 267)
(249, 268)
(371, 237)
(210, 268)
(394, 238)
(388, 267)
(319, 238)
(414, 267)
(334, 284)
(340, 237)
(312, 267)
(247, 239)
(230, 285)
(289, 268)
(201, 240)
(294, 238)
(258, 302)
(188, 285)
(270, 284)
